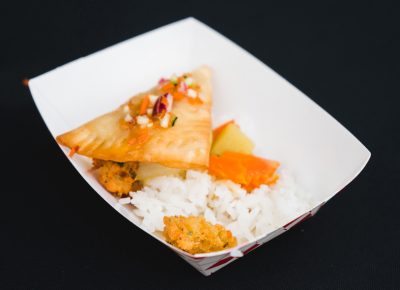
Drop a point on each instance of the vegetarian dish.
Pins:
(196, 235)
(204, 190)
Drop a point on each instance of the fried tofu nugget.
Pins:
(195, 235)
(117, 177)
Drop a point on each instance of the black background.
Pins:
(343, 56)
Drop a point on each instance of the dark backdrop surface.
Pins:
(343, 56)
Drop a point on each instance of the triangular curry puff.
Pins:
(170, 124)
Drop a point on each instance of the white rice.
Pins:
(247, 215)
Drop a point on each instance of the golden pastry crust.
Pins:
(195, 235)
(185, 145)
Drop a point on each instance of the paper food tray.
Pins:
(322, 155)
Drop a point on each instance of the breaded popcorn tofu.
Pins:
(195, 235)
(117, 177)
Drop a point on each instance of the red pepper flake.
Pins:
(73, 151)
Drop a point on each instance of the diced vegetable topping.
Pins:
(182, 87)
(128, 118)
(142, 120)
(157, 108)
(188, 81)
(153, 99)
(144, 105)
(161, 106)
(169, 102)
(165, 121)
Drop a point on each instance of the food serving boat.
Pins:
(284, 123)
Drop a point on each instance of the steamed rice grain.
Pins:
(247, 215)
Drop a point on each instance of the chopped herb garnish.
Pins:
(174, 121)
